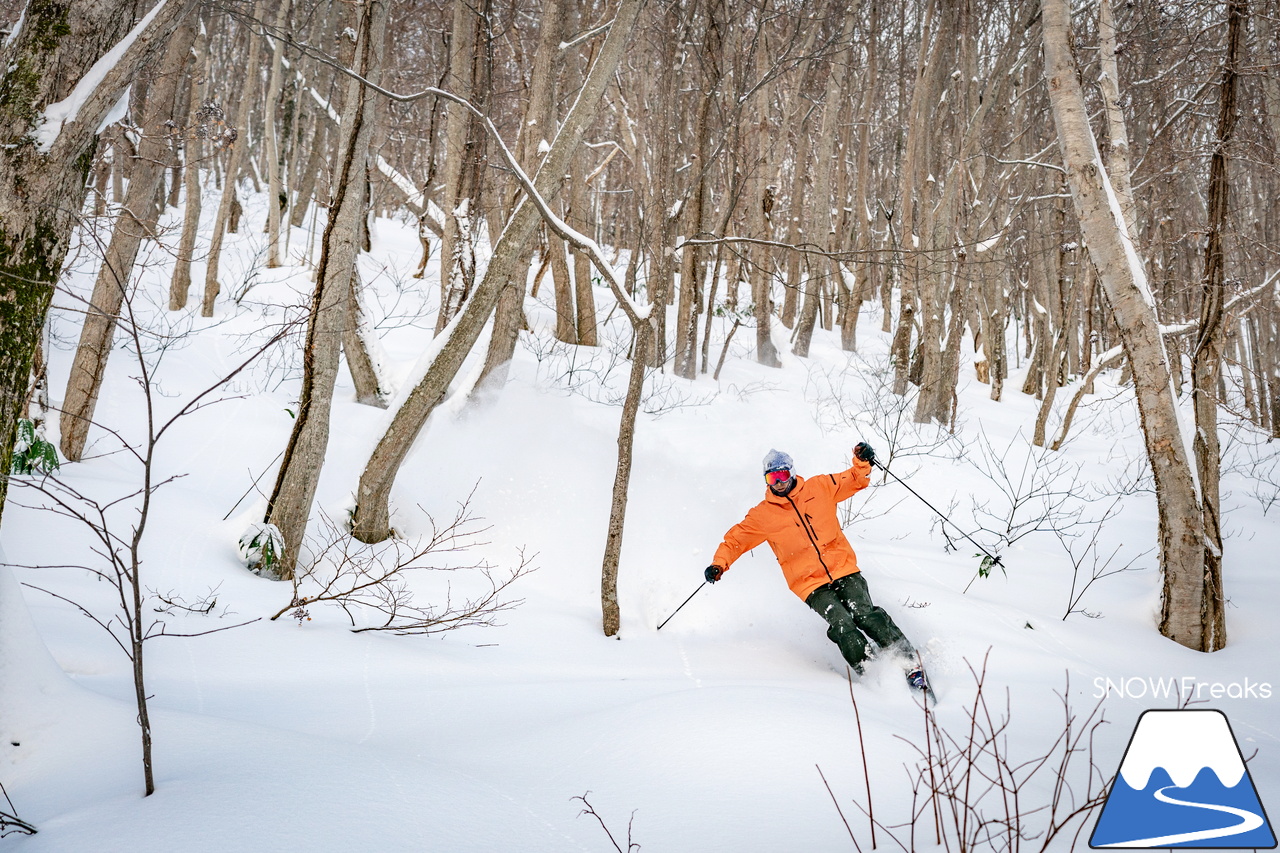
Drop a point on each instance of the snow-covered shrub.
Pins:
(261, 547)
(32, 453)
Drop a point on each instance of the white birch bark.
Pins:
(1123, 278)
(1118, 162)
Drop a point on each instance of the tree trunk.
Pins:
(929, 74)
(361, 346)
(824, 235)
(1206, 359)
(583, 297)
(566, 328)
(1117, 133)
(371, 518)
(276, 196)
(760, 201)
(457, 253)
(693, 258)
(227, 216)
(180, 285)
(539, 125)
(861, 217)
(622, 479)
(145, 177)
(1181, 533)
(796, 222)
(294, 492)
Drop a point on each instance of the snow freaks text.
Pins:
(1186, 687)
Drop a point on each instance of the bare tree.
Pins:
(235, 159)
(194, 135)
(1206, 357)
(145, 177)
(1121, 273)
(62, 79)
(120, 562)
(276, 196)
(290, 502)
(371, 519)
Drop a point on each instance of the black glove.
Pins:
(713, 573)
(864, 452)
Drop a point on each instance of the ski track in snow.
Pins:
(687, 668)
(447, 737)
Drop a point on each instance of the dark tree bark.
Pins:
(1206, 359)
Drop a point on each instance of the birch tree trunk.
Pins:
(294, 492)
(1121, 274)
(1117, 132)
(145, 177)
(371, 518)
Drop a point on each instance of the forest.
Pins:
(384, 217)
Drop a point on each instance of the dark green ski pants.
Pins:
(846, 605)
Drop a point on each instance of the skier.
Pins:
(798, 519)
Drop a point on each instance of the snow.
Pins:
(302, 735)
(991, 242)
(116, 113)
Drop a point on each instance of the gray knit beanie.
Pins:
(776, 460)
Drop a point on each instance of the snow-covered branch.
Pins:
(99, 90)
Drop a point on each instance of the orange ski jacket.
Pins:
(802, 529)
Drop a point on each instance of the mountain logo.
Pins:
(1183, 783)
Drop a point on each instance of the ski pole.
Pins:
(686, 601)
(995, 561)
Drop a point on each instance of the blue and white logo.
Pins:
(1183, 783)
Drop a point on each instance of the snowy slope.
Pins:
(304, 736)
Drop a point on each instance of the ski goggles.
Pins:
(777, 478)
